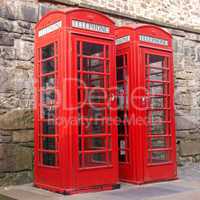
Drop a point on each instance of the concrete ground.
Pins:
(187, 187)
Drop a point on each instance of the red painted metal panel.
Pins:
(151, 104)
(71, 47)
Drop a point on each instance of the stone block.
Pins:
(28, 12)
(189, 148)
(6, 40)
(5, 133)
(177, 32)
(6, 150)
(28, 144)
(25, 50)
(24, 65)
(23, 136)
(15, 158)
(16, 178)
(6, 25)
(183, 99)
(23, 159)
(17, 119)
(4, 81)
(25, 25)
(182, 134)
(5, 138)
(8, 53)
(193, 37)
(185, 123)
(7, 11)
(21, 81)
(20, 10)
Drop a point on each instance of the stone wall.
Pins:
(16, 91)
(179, 13)
(17, 20)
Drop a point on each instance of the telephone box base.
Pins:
(71, 191)
(147, 182)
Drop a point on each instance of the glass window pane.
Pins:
(96, 96)
(159, 157)
(48, 81)
(159, 142)
(156, 74)
(122, 96)
(49, 159)
(93, 80)
(157, 102)
(120, 74)
(156, 116)
(156, 61)
(91, 49)
(48, 66)
(49, 113)
(48, 97)
(93, 112)
(94, 143)
(157, 129)
(157, 88)
(120, 61)
(94, 127)
(120, 114)
(121, 128)
(48, 51)
(92, 96)
(49, 143)
(49, 127)
(95, 65)
(94, 160)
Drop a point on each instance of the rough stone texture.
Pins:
(184, 123)
(178, 13)
(22, 136)
(17, 119)
(190, 148)
(17, 22)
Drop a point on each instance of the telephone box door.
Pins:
(95, 136)
(159, 130)
(124, 139)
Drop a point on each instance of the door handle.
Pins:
(112, 97)
(143, 99)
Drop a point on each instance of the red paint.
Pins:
(148, 65)
(73, 157)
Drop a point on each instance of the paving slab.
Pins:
(187, 187)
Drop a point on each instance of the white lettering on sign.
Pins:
(50, 29)
(90, 26)
(122, 40)
(153, 40)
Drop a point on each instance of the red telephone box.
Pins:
(146, 125)
(75, 139)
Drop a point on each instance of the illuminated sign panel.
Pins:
(49, 29)
(153, 40)
(90, 26)
(122, 40)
